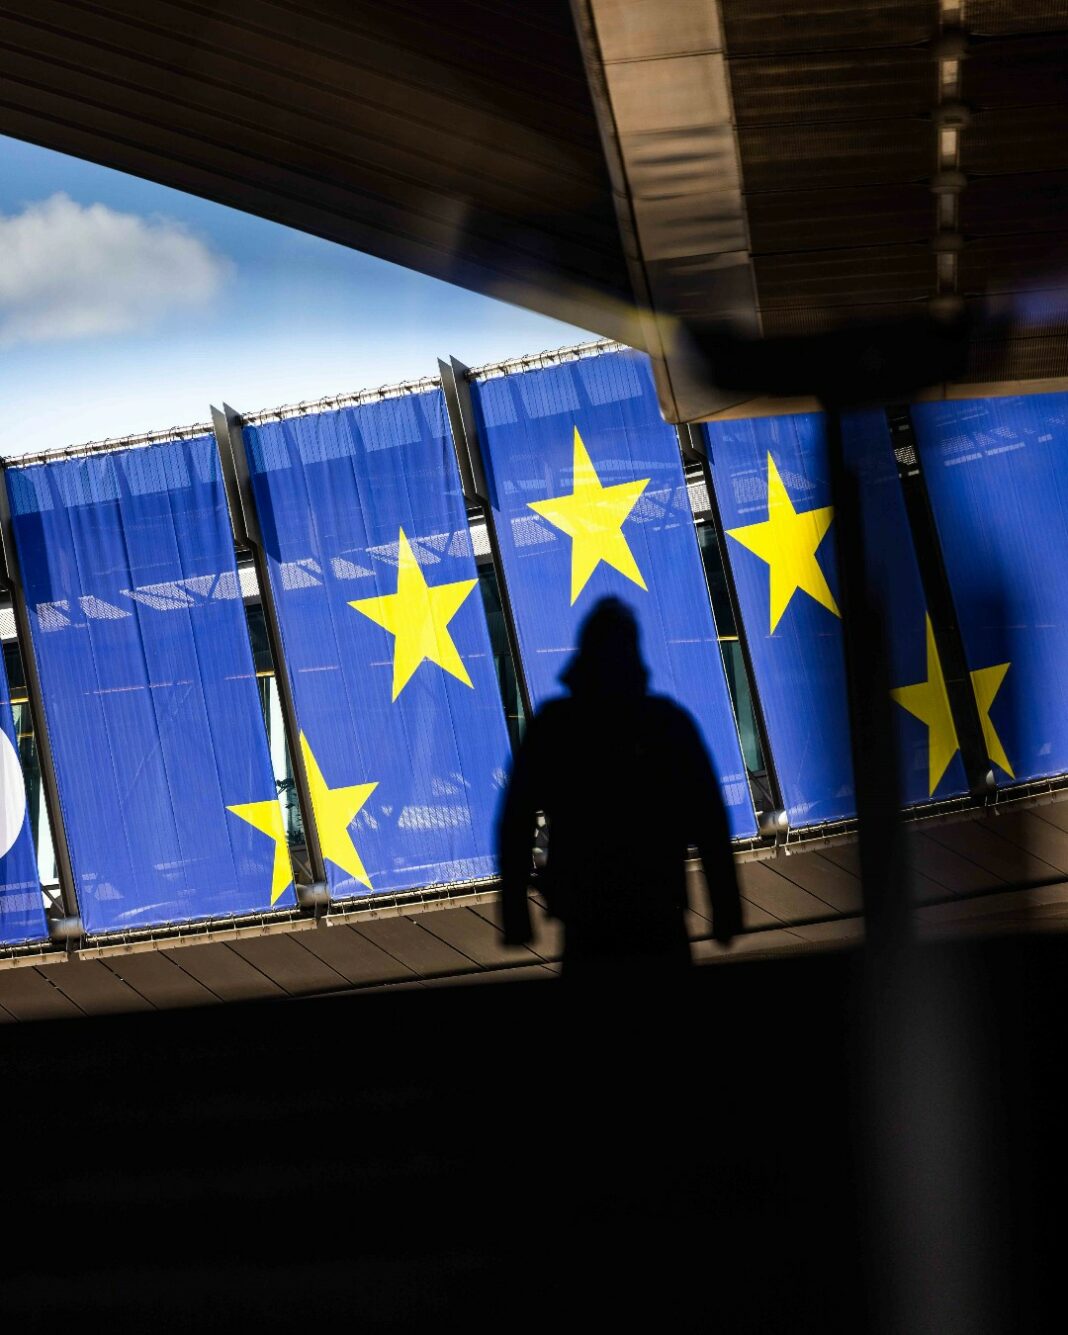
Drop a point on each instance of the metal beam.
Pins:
(661, 92)
(693, 444)
(231, 443)
(456, 384)
(457, 390)
(940, 605)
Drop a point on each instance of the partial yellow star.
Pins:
(929, 702)
(418, 615)
(592, 516)
(986, 682)
(334, 809)
(267, 818)
(787, 540)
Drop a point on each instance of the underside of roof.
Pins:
(456, 139)
(985, 873)
(786, 170)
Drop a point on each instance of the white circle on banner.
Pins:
(12, 794)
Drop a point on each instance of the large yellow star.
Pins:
(418, 615)
(787, 540)
(592, 516)
(929, 702)
(267, 818)
(334, 810)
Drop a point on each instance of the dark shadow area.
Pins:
(477, 1158)
(625, 786)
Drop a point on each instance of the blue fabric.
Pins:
(150, 693)
(995, 471)
(799, 666)
(894, 574)
(333, 492)
(22, 916)
(527, 425)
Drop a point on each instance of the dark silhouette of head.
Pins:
(608, 660)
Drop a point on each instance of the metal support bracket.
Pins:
(457, 390)
(456, 385)
(231, 444)
(693, 444)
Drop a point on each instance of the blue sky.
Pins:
(127, 307)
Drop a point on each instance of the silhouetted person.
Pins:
(626, 785)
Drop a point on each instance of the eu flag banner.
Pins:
(151, 700)
(589, 500)
(995, 474)
(930, 764)
(384, 632)
(22, 916)
(772, 486)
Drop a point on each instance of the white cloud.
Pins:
(68, 271)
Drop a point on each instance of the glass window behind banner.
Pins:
(733, 659)
(271, 703)
(502, 652)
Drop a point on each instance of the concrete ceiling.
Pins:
(796, 170)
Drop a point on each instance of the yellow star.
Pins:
(267, 818)
(986, 682)
(787, 540)
(929, 702)
(334, 810)
(592, 516)
(418, 616)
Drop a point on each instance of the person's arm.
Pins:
(710, 831)
(515, 840)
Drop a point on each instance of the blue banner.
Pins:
(995, 474)
(22, 915)
(772, 484)
(773, 490)
(589, 500)
(930, 764)
(385, 637)
(150, 693)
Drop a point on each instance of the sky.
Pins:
(128, 307)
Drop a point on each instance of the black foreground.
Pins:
(513, 1156)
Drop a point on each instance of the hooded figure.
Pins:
(625, 784)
